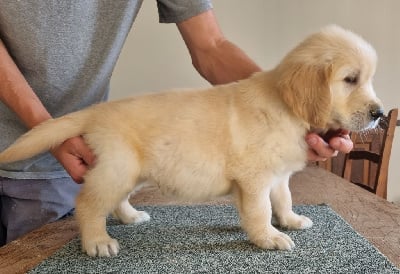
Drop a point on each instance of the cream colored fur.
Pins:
(244, 138)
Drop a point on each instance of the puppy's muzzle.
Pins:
(376, 112)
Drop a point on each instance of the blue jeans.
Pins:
(28, 204)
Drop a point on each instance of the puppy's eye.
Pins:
(351, 80)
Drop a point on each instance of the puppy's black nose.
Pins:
(376, 113)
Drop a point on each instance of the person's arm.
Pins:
(220, 61)
(16, 94)
(217, 59)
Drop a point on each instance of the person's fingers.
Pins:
(341, 143)
(319, 150)
(328, 145)
(76, 169)
(313, 156)
(84, 152)
(75, 156)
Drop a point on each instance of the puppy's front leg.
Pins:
(255, 214)
(281, 200)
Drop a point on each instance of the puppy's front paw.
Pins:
(102, 248)
(274, 240)
(295, 221)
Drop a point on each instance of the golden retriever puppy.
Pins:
(244, 138)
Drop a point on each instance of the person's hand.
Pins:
(75, 156)
(327, 146)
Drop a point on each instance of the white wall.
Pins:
(155, 57)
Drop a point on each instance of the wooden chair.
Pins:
(372, 152)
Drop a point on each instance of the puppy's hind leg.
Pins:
(281, 200)
(106, 185)
(126, 214)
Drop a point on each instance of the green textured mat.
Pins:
(208, 239)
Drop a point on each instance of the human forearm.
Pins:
(215, 58)
(16, 93)
(227, 63)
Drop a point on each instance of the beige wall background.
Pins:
(155, 57)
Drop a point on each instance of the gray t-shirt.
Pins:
(67, 51)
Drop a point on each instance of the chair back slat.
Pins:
(383, 167)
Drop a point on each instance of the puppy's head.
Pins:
(327, 81)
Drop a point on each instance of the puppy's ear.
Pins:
(304, 87)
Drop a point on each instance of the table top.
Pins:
(375, 218)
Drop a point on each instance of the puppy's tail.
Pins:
(45, 136)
